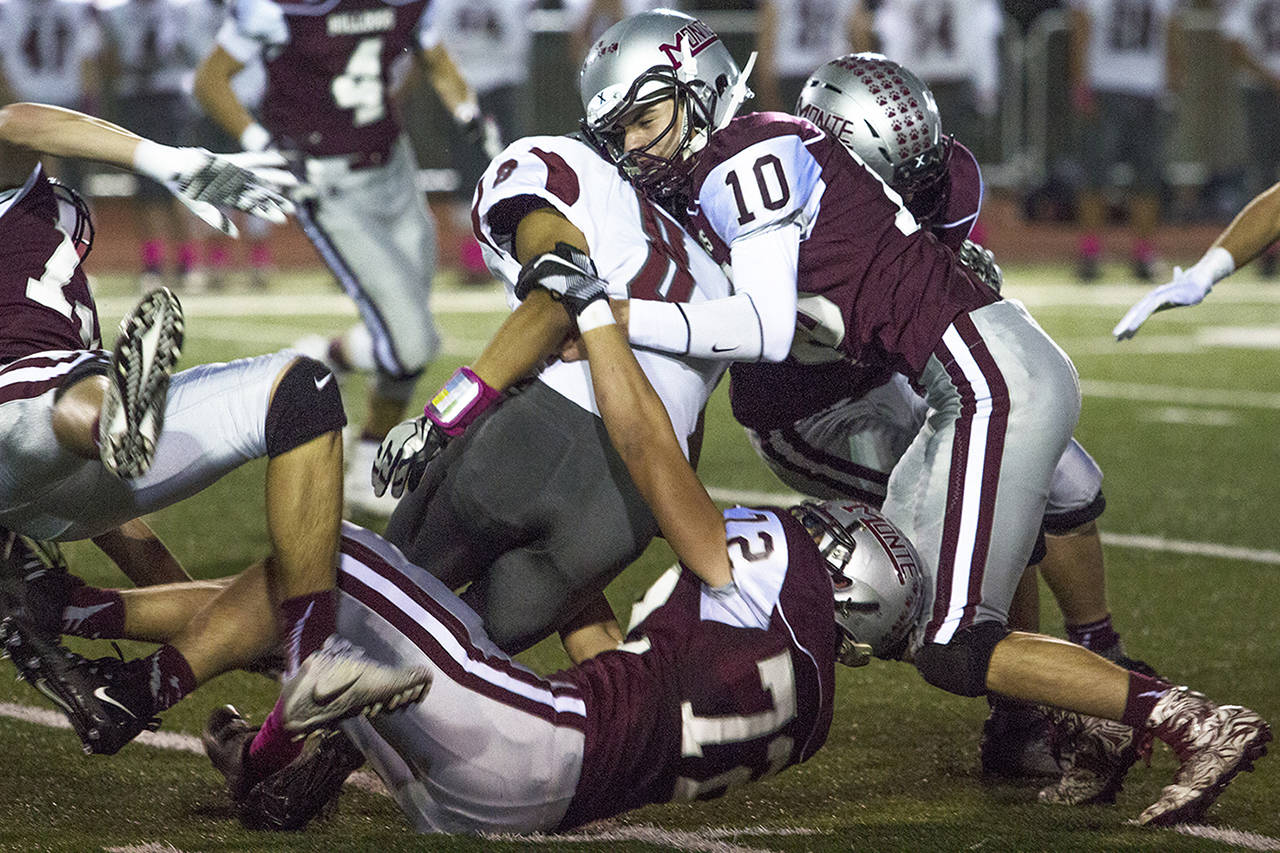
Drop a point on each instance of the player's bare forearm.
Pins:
(531, 334)
(641, 432)
(446, 79)
(66, 133)
(138, 551)
(593, 630)
(1254, 228)
(213, 91)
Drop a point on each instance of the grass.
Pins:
(900, 769)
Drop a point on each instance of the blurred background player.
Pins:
(489, 42)
(593, 17)
(793, 37)
(1124, 63)
(328, 104)
(151, 47)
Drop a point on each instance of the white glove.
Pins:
(250, 181)
(1188, 287)
(403, 455)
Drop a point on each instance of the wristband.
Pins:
(596, 314)
(255, 137)
(164, 162)
(460, 401)
(1216, 265)
(465, 112)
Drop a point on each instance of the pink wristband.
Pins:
(460, 401)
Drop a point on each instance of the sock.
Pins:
(259, 255)
(307, 621)
(1091, 246)
(272, 747)
(218, 257)
(94, 613)
(1144, 251)
(337, 355)
(187, 256)
(1095, 636)
(167, 674)
(1144, 693)
(153, 255)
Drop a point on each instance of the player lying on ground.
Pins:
(105, 461)
(771, 194)
(829, 427)
(1253, 230)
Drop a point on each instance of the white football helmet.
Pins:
(876, 573)
(647, 58)
(887, 116)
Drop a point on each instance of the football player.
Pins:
(529, 501)
(772, 195)
(1250, 234)
(833, 428)
(104, 461)
(726, 675)
(328, 104)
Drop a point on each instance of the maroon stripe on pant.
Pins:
(961, 449)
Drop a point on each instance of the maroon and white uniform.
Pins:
(45, 49)
(836, 429)
(787, 206)
(707, 693)
(328, 98)
(215, 415)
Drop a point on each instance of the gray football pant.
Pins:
(534, 508)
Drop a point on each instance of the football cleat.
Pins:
(1095, 755)
(35, 584)
(1213, 744)
(1016, 741)
(104, 710)
(138, 380)
(226, 738)
(337, 681)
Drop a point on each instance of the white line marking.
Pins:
(708, 840)
(145, 847)
(201, 305)
(1214, 397)
(1192, 417)
(1225, 834)
(1120, 540)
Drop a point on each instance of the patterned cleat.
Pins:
(35, 585)
(1016, 742)
(1095, 755)
(105, 713)
(1213, 742)
(133, 407)
(292, 796)
(337, 681)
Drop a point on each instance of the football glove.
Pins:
(404, 453)
(982, 263)
(251, 181)
(1188, 287)
(567, 274)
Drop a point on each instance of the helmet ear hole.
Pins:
(722, 84)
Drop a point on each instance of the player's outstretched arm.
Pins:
(1248, 236)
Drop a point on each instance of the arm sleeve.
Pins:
(756, 323)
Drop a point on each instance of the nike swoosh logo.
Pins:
(718, 348)
(101, 693)
(320, 383)
(324, 697)
(43, 687)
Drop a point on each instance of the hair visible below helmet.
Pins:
(887, 116)
(647, 58)
(876, 573)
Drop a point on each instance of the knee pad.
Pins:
(960, 666)
(1062, 523)
(307, 404)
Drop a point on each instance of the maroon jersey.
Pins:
(767, 396)
(328, 83)
(710, 692)
(896, 286)
(45, 302)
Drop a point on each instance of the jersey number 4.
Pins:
(359, 86)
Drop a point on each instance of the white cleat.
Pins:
(1213, 742)
(138, 381)
(337, 681)
(1095, 755)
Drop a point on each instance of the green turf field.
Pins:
(1184, 420)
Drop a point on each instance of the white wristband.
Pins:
(466, 111)
(595, 315)
(1216, 265)
(164, 162)
(255, 137)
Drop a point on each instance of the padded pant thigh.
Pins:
(961, 665)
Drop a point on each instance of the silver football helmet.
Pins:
(877, 576)
(887, 116)
(647, 58)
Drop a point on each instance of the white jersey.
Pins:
(157, 43)
(944, 41)
(810, 32)
(1128, 44)
(1256, 25)
(637, 248)
(487, 39)
(43, 47)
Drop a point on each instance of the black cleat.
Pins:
(1016, 742)
(227, 737)
(35, 585)
(104, 710)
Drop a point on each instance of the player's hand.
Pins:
(404, 454)
(1187, 288)
(252, 181)
(981, 262)
(565, 273)
(482, 131)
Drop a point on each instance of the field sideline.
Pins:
(1183, 419)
